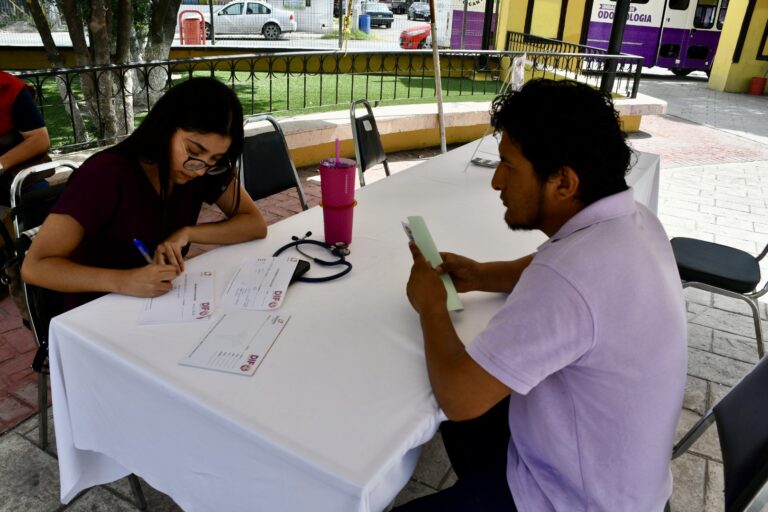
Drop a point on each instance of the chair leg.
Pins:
(758, 327)
(42, 410)
(386, 167)
(141, 503)
(751, 300)
(360, 176)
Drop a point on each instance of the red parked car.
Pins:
(415, 37)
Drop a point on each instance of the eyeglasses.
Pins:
(195, 164)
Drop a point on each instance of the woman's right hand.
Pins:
(148, 281)
(465, 272)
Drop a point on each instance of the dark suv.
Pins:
(379, 13)
(399, 6)
(419, 11)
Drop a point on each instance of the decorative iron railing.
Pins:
(622, 71)
(91, 106)
(520, 42)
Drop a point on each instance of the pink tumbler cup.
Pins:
(337, 188)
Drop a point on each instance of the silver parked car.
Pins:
(250, 17)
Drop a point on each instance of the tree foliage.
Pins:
(111, 32)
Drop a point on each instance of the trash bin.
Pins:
(191, 27)
(757, 85)
(365, 23)
(192, 32)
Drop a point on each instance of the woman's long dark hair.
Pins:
(201, 105)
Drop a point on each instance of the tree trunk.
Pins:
(124, 30)
(124, 106)
(57, 61)
(72, 16)
(100, 46)
(162, 28)
(41, 23)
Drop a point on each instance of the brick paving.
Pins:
(714, 185)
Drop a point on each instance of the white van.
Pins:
(314, 16)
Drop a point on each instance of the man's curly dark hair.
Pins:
(566, 123)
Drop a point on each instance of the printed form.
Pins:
(260, 283)
(190, 298)
(237, 342)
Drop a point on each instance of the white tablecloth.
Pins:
(333, 418)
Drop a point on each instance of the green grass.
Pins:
(293, 94)
(354, 35)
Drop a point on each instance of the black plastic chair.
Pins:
(29, 208)
(742, 427)
(721, 269)
(266, 166)
(368, 148)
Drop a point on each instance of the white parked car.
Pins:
(249, 17)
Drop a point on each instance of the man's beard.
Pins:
(531, 224)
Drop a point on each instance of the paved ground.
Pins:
(714, 185)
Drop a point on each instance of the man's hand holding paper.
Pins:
(418, 232)
(425, 288)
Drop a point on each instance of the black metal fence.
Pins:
(520, 42)
(579, 62)
(92, 106)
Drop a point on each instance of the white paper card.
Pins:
(191, 298)
(260, 283)
(237, 342)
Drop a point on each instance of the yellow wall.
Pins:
(511, 18)
(546, 16)
(574, 18)
(725, 75)
(735, 77)
(31, 58)
(502, 26)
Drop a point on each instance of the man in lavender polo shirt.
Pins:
(585, 363)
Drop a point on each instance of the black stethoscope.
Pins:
(340, 250)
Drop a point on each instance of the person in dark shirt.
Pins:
(149, 187)
(23, 136)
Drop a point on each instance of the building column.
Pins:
(743, 49)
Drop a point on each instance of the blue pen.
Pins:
(142, 249)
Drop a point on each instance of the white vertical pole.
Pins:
(438, 82)
(464, 23)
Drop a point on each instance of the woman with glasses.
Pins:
(149, 188)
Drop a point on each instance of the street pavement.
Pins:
(381, 39)
(714, 186)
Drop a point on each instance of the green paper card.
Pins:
(428, 248)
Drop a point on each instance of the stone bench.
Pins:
(311, 137)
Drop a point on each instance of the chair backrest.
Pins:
(266, 166)
(742, 426)
(368, 148)
(29, 208)
(31, 205)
